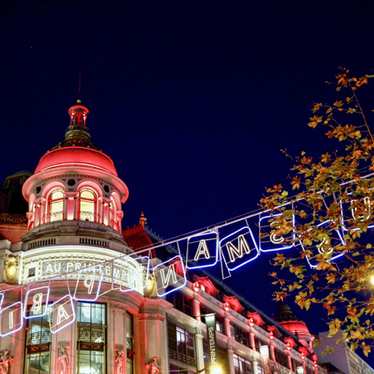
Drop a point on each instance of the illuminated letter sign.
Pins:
(61, 314)
(11, 319)
(202, 250)
(239, 248)
(167, 278)
(271, 236)
(88, 285)
(356, 212)
(135, 276)
(38, 299)
(325, 246)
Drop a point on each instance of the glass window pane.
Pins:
(91, 338)
(87, 194)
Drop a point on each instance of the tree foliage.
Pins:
(330, 213)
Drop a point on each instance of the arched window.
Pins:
(87, 205)
(56, 205)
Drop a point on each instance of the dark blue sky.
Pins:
(192, 99)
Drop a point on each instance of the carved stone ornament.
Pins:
(5, 362)
(62, 359)
(119, 362)
(153, 366)
(150, 289)
(11, 269)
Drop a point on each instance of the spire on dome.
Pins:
(77, 133)
(142, 219)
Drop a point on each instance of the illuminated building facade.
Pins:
(76, 298)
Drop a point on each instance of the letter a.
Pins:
(202, 249)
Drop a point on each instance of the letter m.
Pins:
(238, 251)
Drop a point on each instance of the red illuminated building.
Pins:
(73, 219)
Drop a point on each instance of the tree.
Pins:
(328, 219)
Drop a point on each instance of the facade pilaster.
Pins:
(199, 346)
(152, 324)
(230, 355)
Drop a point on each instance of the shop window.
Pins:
(87, 204)
(241, 365)
(91, 343)
(38, 341)
(181, 345)
(56, 205)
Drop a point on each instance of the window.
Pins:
(180, 302)
(91, 338)
(220, 325)
(87, 205)
(179, 370)
(38, 340)
(129, 344)
(281, 358)
(241, 365)
(181, 345)
(56, 205)
(240, 335)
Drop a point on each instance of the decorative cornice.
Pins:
(13, 219)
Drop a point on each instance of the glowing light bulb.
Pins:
(216, 369)
(371, 279)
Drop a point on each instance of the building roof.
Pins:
(74, 155)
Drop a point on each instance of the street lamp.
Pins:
(216, 369)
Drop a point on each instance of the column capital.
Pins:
(154, 309)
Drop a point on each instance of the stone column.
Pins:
(199, 348)
(43, 211)
(227, 327)
(106, 213)
(272, 349)
(230, 354)
(252, 341)
(152, 328)
(289, 358)
(70, 205)
(196, 306)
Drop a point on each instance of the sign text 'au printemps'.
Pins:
(88, 271)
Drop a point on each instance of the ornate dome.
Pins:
(289, 321)
(73, 155)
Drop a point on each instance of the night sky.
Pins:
(193, 100)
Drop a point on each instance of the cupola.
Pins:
(75, 182)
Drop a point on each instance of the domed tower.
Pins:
(75, 193)
(288, 320)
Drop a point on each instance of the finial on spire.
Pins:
(77, 133)
(78, 115)
(143, 219)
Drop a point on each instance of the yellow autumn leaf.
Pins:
(334, 326)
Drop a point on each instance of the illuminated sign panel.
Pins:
(11, 319)
(38, 299)
(167, 278)
(61, 314)
(239, 248)
(202, 250)
(72, 262)
(271, 236)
